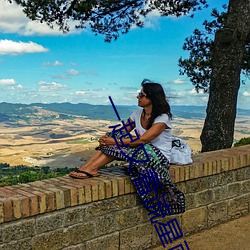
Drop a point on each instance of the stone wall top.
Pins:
(39, 197)
(211, 163)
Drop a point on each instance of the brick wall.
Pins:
(105, 213)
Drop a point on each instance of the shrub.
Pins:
(242, 142)
(21, 174)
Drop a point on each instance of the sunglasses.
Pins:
(140, 94)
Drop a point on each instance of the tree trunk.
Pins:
(227, 56)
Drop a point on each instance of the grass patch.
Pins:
(23, 174)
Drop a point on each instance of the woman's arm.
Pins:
(151, 134)
(129, 129)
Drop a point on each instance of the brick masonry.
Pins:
(105, 212)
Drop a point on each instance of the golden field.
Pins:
(33, 145)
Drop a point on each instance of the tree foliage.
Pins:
(108, 17)
(243, 141)
(24, 174)
(198, 67)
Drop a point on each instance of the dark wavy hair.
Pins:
(155, 93)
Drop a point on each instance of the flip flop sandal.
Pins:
(87, 175)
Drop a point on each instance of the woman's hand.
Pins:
(103, 137)
(106, 141)
(101, 140)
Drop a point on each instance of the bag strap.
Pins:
(176, 143)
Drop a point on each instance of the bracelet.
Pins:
(119, 141)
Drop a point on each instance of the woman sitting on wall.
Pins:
(153, 125)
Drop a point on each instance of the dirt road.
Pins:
(233, 235)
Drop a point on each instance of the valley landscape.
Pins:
(65, 135)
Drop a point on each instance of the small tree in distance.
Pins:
(243, 141)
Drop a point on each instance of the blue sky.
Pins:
(38, 64)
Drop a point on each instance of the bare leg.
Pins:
(99, 162)
(92, 166)
(92, 159)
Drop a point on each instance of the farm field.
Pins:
(61, 143)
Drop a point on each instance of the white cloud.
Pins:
(51, 86)
(91, 92)
(55, 63)
(128, 88)
(70, 72)
(7, 82)
(39, 29)
(10, 84)
(13, 20)
(60, 76)
(180, 94)
(153, 14)
(80, 92)
(11, 17)
(73, 72)
(15, 48)
(100, 89)
(178, 81)
(152, 19)
(19, 86)
(246, 93)
(93, 96)
(194, 92)
(186, 97)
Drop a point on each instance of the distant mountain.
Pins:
(47, 112)
(97, 112)
(3, 118)
(244, 112)
(93, 112)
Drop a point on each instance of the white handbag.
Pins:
(180, 152)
